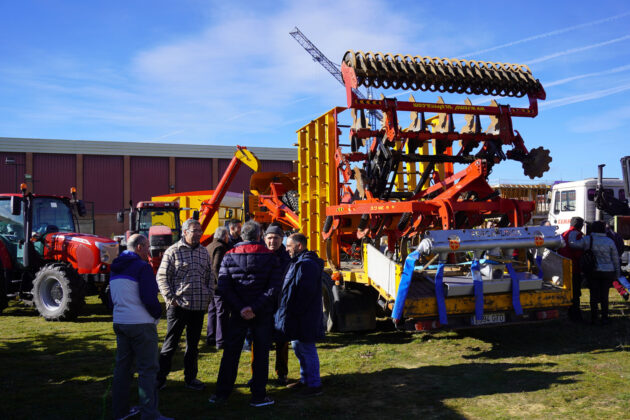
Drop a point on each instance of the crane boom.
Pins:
(332, 68)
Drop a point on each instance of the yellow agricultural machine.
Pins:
(399, 225)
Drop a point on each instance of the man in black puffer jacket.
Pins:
(249, 282)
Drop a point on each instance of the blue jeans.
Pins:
(139, 342)
(309, 362)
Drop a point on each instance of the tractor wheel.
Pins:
(292, 199)
(328, 304)
(58, 293)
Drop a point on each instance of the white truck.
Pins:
(582, 198)
(577, 198)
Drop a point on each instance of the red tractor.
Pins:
(44, 260)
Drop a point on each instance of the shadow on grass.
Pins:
(55, 375)
(401, 393)
(555, 338)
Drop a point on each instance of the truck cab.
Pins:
(577, 198)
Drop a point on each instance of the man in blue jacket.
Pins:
(249, 281)
(136, 314)
(299, 316)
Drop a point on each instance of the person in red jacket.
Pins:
(574, 254)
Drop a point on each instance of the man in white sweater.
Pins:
(136, 314)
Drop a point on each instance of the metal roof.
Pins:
(88, 147)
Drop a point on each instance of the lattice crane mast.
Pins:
(333, 69)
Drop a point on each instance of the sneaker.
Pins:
(311, 391)
(132, 412)
(261, 402)
(296, 385)
(195, 384)
(161, 384)
(217, 399)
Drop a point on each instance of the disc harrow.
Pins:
(434, 74)
(397, 182)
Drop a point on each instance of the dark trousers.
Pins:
(217, 321)
(282, 359)
(136, 344)
(176, 320)
(599, 282)
(261, 329)
(576, 283)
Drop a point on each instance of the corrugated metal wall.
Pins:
(149, 177)
(193, 174)
(54, 174)
(11, 176)
(276, 165)
(103, 182)
(241, 180)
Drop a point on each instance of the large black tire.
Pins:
(58, 293)
(328, 304)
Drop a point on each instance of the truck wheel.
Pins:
(328, 304)
(58, 293)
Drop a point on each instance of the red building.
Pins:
(110, 174)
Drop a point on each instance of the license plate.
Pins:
(488, 319)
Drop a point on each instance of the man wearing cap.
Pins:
(273, 240)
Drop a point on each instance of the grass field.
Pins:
(551, 370)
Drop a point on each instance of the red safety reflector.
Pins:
(427, 325)
(550, 314)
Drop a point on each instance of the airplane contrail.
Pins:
(578, 49)
(585, 75)
(569, 100)
(548, 34)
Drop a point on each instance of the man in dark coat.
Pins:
(299, 316)
(273, 241)
(217, 315)
(249, 281)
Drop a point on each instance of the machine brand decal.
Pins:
(453, 242)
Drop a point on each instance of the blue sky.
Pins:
(227, 73)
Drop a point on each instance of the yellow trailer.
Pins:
(355, 290)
